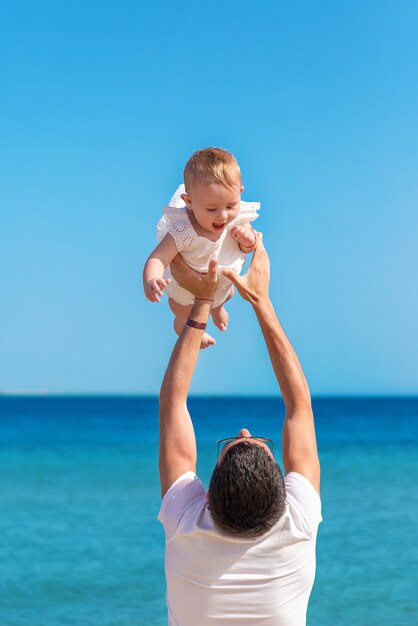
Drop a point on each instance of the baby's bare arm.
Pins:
(153, 273)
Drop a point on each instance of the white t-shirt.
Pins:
(214, 579)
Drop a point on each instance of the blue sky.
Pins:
(103, 102)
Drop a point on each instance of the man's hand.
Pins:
(154, 288)
(200, 285)
(254, 285)
(246, 236)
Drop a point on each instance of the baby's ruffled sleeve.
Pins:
(179, 226)
(248, 212)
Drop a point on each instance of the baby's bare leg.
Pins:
(181, 313)
(220, 314)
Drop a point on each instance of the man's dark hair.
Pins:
(246, 494)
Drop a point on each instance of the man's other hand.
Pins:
(200, 285)
(254, 285)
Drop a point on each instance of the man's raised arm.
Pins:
(177, 449)
(298, 439)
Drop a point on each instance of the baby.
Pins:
(205, 218)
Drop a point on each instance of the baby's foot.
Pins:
(220, 318)
(207, 341)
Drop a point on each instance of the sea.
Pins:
(80, 544)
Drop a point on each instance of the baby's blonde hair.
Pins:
(212, 165)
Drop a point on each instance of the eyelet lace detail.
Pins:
(181, 230)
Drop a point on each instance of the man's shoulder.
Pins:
(187, 490)
(303, 498)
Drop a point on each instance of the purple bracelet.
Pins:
(193, 324)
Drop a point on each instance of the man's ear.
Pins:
(242, 188)
(187, 200)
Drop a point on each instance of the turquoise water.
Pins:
(80, 543)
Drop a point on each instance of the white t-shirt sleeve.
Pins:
(305, 497)
(183, 492)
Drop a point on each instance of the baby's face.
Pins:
(214, 206)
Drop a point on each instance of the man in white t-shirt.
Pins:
(243, 552)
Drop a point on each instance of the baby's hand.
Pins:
(246, 236)
(154, 288)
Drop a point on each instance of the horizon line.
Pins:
(119, 394)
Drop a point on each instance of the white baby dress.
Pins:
(197, 251)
